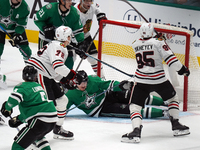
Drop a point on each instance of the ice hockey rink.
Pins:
(98, 133)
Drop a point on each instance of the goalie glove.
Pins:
(49, 32)
(126, 85)
(71, 80)
(184, 71)
(14, 122)
(5, 112)
(17, 38)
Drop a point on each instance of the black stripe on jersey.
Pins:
(17, 96)
(39, 62)
(30, 63)
(57, 65)
(172, 62)
(78, 31)
(152, 73)
(48, 116)
(169, 57)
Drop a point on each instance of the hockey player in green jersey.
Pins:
(13, 18)
(90, 97)
(35, 110)
(53, 15)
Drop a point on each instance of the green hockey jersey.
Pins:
(51, 15)
(14, 19)
(32, 102)
(95, 87)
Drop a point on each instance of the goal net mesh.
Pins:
(115, 48)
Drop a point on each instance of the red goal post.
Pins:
(114, 47)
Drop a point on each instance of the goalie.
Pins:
(90, 97)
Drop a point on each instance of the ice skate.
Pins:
(177, 128)
(132, 137)
(60, 133)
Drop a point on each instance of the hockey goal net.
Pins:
(115, 48)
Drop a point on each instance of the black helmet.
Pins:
(29, 73)
(84, 75)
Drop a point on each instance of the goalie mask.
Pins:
(146, 30)
(29, 73)
(63, 32)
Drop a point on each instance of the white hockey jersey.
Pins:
(86, 18)
(150, 54)
(49, 61)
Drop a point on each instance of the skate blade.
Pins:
(133, 140)
(62, 137)
(181, 132)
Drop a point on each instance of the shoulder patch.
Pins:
(48, 6)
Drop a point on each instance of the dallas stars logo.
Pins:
(6, 20)
(90, 100)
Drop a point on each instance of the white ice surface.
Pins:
(98, 133)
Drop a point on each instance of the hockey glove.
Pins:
(82, 47)
(184, 71)
(126, 85)
(49, 32)
(14, 122)
(5, 112)
(16, 39)
(71, 80)
(101, 16)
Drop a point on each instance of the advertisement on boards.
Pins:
(118, 10)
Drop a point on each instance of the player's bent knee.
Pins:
(61, 103)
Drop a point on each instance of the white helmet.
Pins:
(146, 30)
(63, 32)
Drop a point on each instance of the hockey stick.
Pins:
(102, 62)
(16, 44)
(88, 49)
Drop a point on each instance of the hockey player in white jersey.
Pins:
(150, 76)
(49, 61)
(87, 11)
